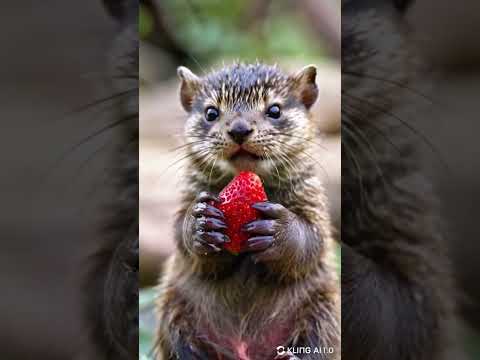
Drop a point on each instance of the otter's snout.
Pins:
(240, 131)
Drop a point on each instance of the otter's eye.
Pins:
(274, 112)
(211, 113)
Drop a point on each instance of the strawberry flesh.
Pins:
(237, 198)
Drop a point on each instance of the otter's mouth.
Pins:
(243, 154)
(244, 160)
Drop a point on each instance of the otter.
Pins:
(282, 290)
(397, 289)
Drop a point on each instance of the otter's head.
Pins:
(248, 117)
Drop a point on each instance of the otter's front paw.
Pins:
(270, 237)
(208, 226)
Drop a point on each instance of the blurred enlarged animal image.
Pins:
(398, 297)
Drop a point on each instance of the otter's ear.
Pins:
(188, 88)
(304, 85)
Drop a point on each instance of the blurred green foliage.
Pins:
(145, 22)
(214, 30)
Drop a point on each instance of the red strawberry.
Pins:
(236, 198)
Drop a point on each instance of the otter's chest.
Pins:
(261, 346)
(255, 317)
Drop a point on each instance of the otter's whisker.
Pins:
(211, 169)
(406, 124)
(269, 158)
(359, 174)
(388, 81)
(358, 137)
(189, 155)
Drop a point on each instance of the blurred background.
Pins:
(204, 35)
(53, 71)
(449, 118)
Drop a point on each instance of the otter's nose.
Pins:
(239, 132)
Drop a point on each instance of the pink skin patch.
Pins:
(261, 348)
(241, 350)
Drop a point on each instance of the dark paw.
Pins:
(208, 226)
(272, 210)
(267, 234)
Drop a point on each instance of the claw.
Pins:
(204, 209)
(271, 210)
(211, 237)
(259, 243)
(204, 223)
(261, 227)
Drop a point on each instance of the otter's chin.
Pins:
(245, 161)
